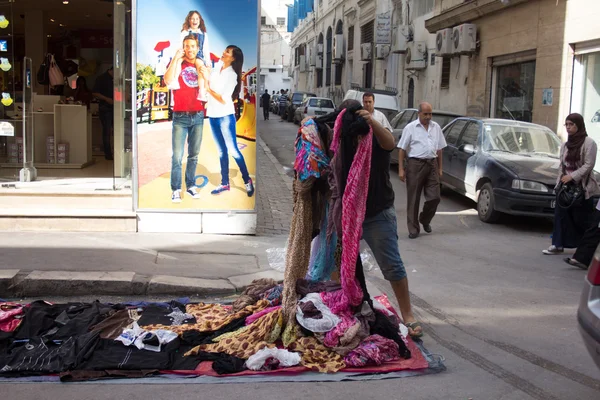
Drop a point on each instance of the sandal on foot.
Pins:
(414, 326)
(575, 263)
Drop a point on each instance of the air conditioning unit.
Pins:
(400, 38)
(416, 56)
(319, 48)
(338, 48)
(464, 39)
(319, 63)
(302, 63)
(443, 42)
(366, 52)
(382, 51)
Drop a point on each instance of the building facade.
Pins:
(275, 46)
(535, 60)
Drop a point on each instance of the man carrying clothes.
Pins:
(188, 117)
(265, 101)
(422, 141)
(103, 91)
(380, 228)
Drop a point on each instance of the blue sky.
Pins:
(227, 22)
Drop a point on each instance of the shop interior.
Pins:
(70, 44)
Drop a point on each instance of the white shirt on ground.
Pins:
(380, 117)
(223, 82)
(419, 142)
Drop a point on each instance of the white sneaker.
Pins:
(193, 191)
(176, 196)
(552, 250)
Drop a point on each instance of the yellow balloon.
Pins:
(3, 22)
(7, 101)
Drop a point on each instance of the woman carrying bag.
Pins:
(575, 187)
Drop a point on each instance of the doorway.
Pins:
(411, 93)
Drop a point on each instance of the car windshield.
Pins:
(389, 114)
(443, 119)
(519, 139)
(386, 102)
(322, 103)
(299, 97)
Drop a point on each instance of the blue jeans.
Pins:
(190, 127)
(223, 130)
(381, 234)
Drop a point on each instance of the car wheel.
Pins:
(485, 204)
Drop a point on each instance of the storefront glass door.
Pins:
(123, 98)
(586, 93)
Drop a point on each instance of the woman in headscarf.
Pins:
(577, 161)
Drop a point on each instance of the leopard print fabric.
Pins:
(248, 342)
(210, 317)
(317, 357)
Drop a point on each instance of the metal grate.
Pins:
(367, 32)
(445, 81)
(351, 38)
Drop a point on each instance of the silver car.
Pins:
(313, 106)
(588, 313)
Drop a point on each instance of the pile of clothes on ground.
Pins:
(321, 318)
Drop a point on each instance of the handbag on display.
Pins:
(55, 74)
(43, 77)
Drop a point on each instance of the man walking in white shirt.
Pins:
(422, 142)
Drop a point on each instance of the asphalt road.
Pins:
(502, 314)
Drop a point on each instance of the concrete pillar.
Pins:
(36, 42)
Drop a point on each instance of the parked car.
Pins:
(385, 101)
(506, 166)
(313, 106)
(274, 106)
(588, 314)
(294, 102)
(408, 115)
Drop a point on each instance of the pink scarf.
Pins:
(354, 205)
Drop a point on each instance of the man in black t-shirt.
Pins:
(265, 101)
(380, 228)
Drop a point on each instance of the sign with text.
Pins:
(383, 28)
(96, 39)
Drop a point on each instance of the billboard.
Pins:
(196, 104)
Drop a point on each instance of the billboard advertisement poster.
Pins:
(196, 104)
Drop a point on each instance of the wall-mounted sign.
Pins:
(547, 97)
(96, 39)
(383, 28)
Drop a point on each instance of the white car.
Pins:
(313, 107)
(386, 102)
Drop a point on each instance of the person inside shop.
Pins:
(576, 176)
(188, 117)
(103, 91)
(224, 85)
(82, 93)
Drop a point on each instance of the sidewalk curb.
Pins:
(122, 283)
(288, 181)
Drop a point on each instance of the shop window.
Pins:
(445, 81)
(513, 91)
(586, 93)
